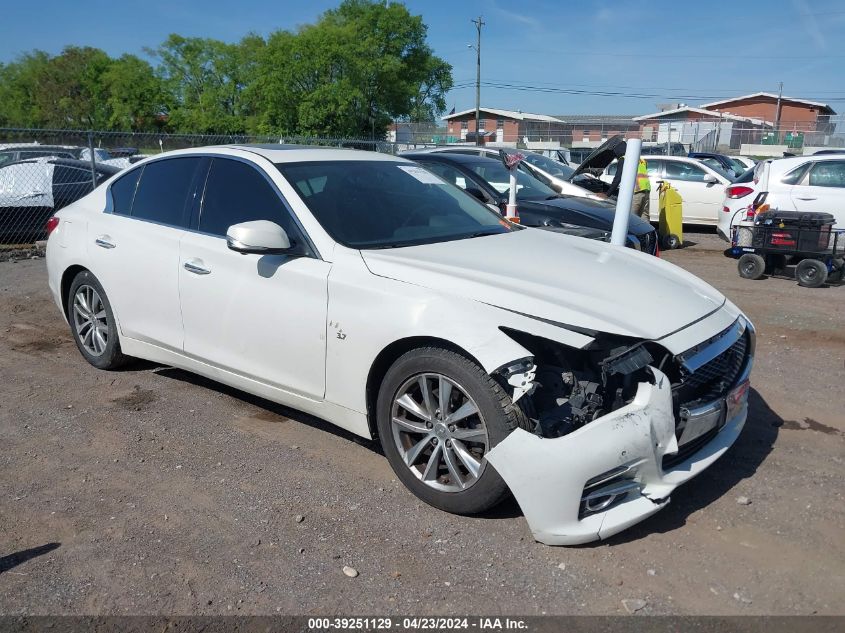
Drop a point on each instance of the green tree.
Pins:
(429, 102)
(205, 81)
(359, 67)
(136, 98)
(70, 92)
(18, 81)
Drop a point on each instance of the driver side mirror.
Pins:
(710, 179)
(261, 237)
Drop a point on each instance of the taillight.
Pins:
(52, 223)
(738, 191)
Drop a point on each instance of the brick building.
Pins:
(504, 126)
(799, 115)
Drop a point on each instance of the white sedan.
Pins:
(363, 289)
(702, 188)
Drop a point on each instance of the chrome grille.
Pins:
(707, 373)
(713, 379)
(710, 370)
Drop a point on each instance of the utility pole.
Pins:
(777, 111)
(478, 24)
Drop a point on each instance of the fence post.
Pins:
(93, 162)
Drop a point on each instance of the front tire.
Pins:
(92, 322)
(751, 266)
(438, 415)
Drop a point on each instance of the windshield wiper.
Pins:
(483, 233)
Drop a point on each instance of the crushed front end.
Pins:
(619, 424)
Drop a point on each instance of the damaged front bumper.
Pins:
(609, 474)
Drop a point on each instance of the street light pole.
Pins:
(478, 24)
(777, 111)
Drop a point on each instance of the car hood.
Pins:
(598, 213)
(568, 280)
(602, 156)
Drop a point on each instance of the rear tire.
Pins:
(751, 266)
(92, 322)
(811, 273)
(435, 448)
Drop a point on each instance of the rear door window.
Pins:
(684, 171)
(166, 191)
(70, 176)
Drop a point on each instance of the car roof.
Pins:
(707, 155)
(451, 157)
(289, 153)
(64, 162)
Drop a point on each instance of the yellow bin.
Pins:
(671, 223)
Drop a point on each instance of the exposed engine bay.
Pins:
(573, 387)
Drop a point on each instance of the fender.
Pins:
(367, 313)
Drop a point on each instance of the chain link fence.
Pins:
(42, 171)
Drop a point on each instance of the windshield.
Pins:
(498, 177)
(550, 166)
(379, 204)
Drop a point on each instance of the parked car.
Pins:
(25, 151)
(702, 188)
(651, 148)
(562, 178)
(823, 152)
(743, 162)
(32, 190)
(587, 379)
(719, 162)
(801, 183)
(739, 196)
(539, 205)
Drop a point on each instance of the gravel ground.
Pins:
(150, 490)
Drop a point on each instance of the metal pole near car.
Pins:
(626, 191)
(93, 162)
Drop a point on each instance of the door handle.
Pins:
(194, 266)
(104, 241)
(807, 197)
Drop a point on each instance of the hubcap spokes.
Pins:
(439, 432)
(90, 321)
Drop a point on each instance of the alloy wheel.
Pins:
(440, 432)
(90, 320)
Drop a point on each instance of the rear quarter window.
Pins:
(123, 191)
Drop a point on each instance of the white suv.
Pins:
(801, 183)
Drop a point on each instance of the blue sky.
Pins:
(657, 51)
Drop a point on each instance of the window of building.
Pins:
(464, 125)
(500, 124)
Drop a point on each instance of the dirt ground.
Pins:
(152, 491)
